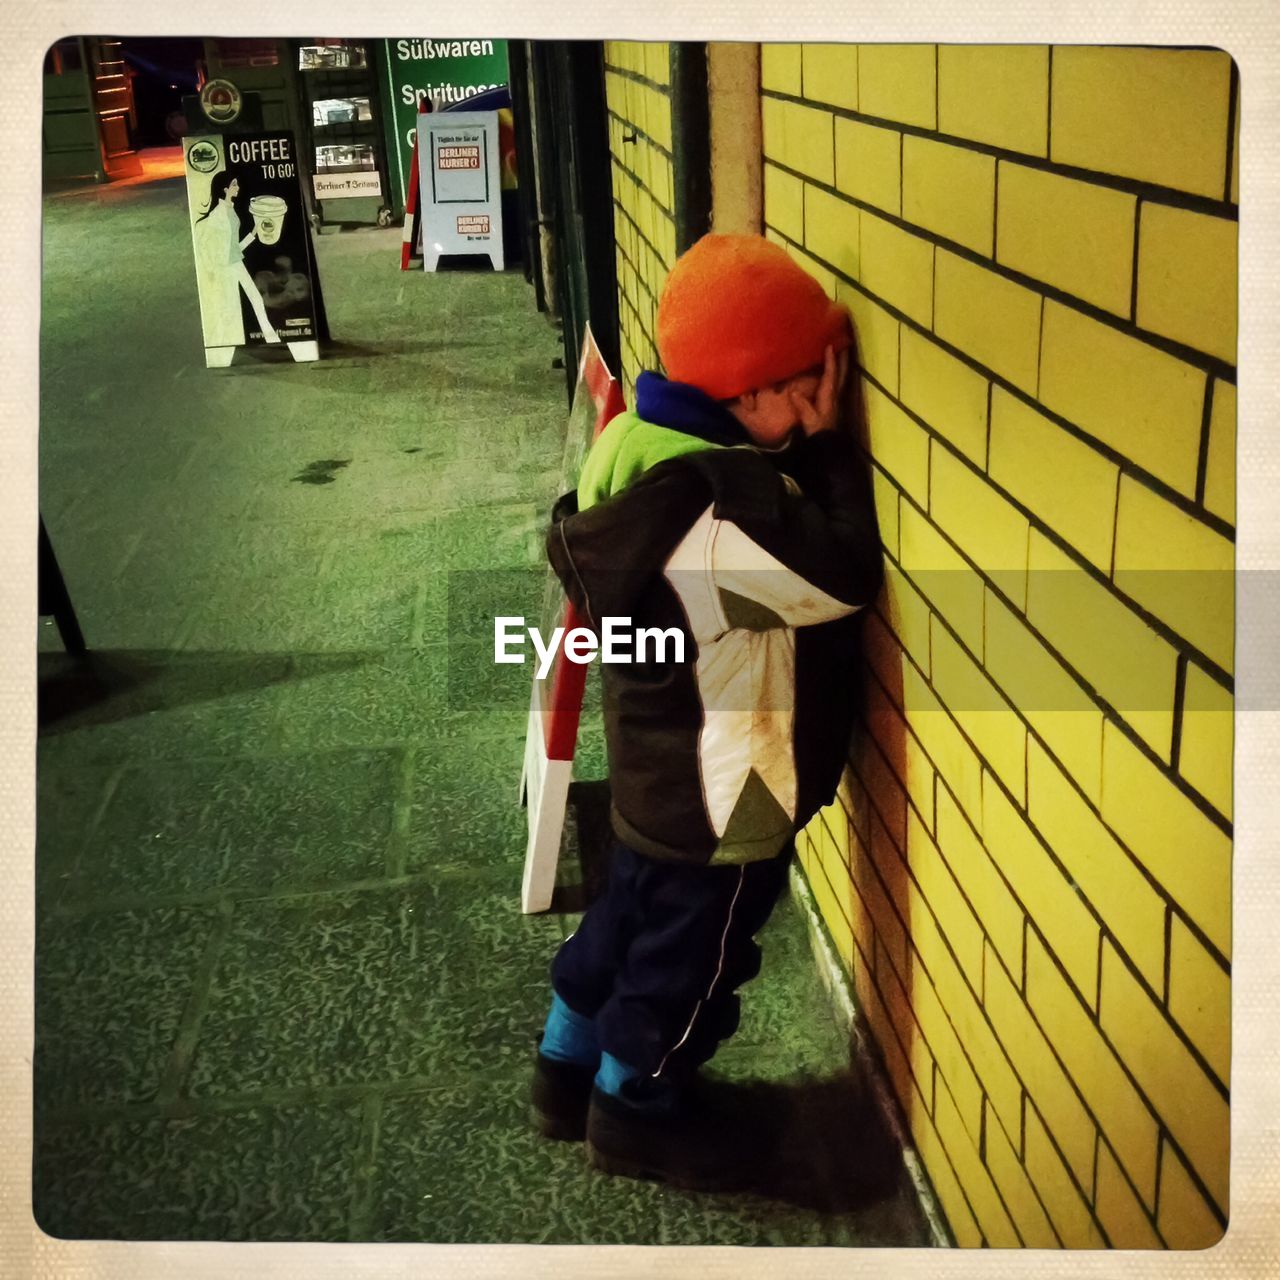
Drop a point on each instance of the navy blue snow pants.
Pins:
(658, 956)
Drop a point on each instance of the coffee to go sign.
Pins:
(254, 270)
(461, 185)
(275, 155)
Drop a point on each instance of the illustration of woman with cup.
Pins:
(223, 274)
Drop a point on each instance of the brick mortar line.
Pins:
(1163, 629)
(1114, 530)
(1153, 191)
(1233, 108)
(872, 969)
(1112, 713)
(617, 204)
(1030, 924)
(643, 329)
(641, 184)
(839, 901)
(1164, 894)
(1105, 930)
(908, 937)
(964, 1048)
(626, 302)
(635, 128)
(1170, 903)
(624, 295)
(1206, 431)
(853, 1020)
(964, 1190)
(868, 1032)
(1202, 360)
(1179, 714)
(1183, 647)
(1161, 1143)
(641, 283)
(637, 271)
(1090, 1207)
(636, 77)
(1048, 109)
(946, 860)
(1093, 1193)
(1126, 465)
(937, 88)
(1133, 266)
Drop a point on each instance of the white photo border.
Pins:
(1243, 29)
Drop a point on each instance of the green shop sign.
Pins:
(420, 69)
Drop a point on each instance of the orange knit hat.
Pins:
(738, 314)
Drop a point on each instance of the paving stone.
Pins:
(138, 620)
(496, 536)
(287, 822)
(434, 981)
(465, 1165)
(279, 1173)
(465, 806)
(161, 704)
(477, 597)
(67, 801)
(288, 617)
(388, 698)
(478, 684)
(311, 615)
(110, 992)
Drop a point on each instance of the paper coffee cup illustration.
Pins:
(268, 217)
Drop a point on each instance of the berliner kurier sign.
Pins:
(461, 185)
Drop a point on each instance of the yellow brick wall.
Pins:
(1027, 870)
(637, 89)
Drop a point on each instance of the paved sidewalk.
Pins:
(284, 988)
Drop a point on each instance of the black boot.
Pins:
(561, 1094)
(699, 1138)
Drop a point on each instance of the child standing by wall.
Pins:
(731, 505)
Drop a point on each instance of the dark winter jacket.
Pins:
(761, 561)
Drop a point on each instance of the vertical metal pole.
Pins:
(690, 142)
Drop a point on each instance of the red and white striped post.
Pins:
(556, 703)
(412, 216)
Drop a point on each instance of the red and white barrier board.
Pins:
(556, 702)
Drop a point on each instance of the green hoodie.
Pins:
(624, 450)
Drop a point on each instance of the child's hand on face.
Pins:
(822, 412)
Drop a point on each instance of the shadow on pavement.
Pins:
(340, 348)
(107, 686)
(833, 1151)
(816, 1143)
